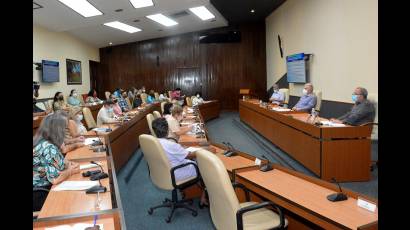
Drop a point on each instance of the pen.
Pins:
(95, 219)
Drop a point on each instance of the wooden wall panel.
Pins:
(223, 68)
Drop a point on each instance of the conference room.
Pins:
(205, 114)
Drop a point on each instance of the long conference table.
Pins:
(343, 153)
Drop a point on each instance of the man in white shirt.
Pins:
(197, 99)
(106, 114)
(277, 96)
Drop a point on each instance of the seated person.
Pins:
(70, 143)
(106, 114)
(175, 129)
(131, 93)
(167, 109)
(49, 165)
(37, 111)
(277, 96)
(75, 127)
(116, 108)
(122, 102)
(92, 97)
(137, 101)
(197, 99)
(58, 102)
(151, 97)
(307, 101)
(176, 95)
(362, 112)
(176, 154)
(73, 98)
(163, 96)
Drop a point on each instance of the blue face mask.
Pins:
(354, 97)
(110, 110)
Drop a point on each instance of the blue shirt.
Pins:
(150, 99)
(306, 102)
(279, 96)
(73, 101)
(123, 104)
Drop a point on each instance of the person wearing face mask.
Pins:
(92, 97)
(73, 98)
(151, 97)
(116, 108)
(197, 99)
(106, 114)
(277, 96)
(122, 102)
(75, 127)
(307, 101)
(58, 102)
(362, 112)
(174, 119)
(137, 101)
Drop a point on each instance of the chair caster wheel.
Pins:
(194, 214)
(190, 202)
(150, 211)
(168, 220)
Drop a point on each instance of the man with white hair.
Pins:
(307, 100)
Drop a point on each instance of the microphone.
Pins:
(266, 167)
(97, 176)
(230, 152)
(339, 196)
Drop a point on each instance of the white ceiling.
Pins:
(56, 16)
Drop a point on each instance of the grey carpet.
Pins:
(138, 193)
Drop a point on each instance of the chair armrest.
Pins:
(245, 189)
(35, 189)
(35, 214)
(240, 212)
(188, 182)
(369, 123)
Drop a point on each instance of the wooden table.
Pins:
(107, 220)
(342, 153)
(210, 109)
(304, 199)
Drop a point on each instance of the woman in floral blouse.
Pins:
(49, 165)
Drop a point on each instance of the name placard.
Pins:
(366, 205)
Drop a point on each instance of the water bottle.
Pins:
(243, 97)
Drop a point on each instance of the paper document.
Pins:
(279, 109)
(88, 166)
(193, 149)
(332, 124)
(74, 227)
(75, 185)
(89, 141)
(100, 129)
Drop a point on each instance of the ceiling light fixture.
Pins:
(202, 12)
(110, 43)
(82, 7)
(141, 3)
(162, 19)
(122, 26)
(252, 11)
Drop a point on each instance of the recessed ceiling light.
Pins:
(202, 12)
(252, 11)
(122, 26)
(110, 43)
(162, 19)
(141, 3)
(82, 7)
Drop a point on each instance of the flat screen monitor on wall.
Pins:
(296, 67)
(50, 71)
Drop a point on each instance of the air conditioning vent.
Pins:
(179, 14)
(36, 6)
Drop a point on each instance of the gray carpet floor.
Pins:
(138, 193)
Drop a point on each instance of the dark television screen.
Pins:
(50, 71)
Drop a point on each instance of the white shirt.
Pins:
(173, 126)
(81, 128)
(104, 116)
(176, 156)
(162, 97)
(197, 101)
(279, 96)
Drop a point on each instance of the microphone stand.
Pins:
(339, 196)
(266, 167)
(97, 188)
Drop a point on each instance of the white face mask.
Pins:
(79, 117)
(275, 90)
(75, 94)
(197, 95)
(304, 92)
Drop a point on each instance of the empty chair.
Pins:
(107, 95)
(144, 97)
(150, 119)
(286, 93)
(162, 175)
(89, 119)
(318, 95)
(156, 114)
(189, 101)
(226, 211)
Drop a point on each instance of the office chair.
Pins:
(42, 193)
(373, 98)
(89, 119)
(318, 94)
(188, 101)
(107, 95)
(156, 114)
(128, 103)
(163, 177)
(170, 94)
(162, 106)
(226, 211)
(150, 119)
(144, 97)
(156, 96)
(286, 93)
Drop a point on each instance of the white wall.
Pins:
(342, 35)
(59, 46)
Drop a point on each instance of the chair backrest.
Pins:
(156, 114)
(169, 94)
(150, 119)
(107, 95)
(156, 96)
(89, 119)
(128, 103)
(374, 98)
(286, 93)
(158, 164)
(318, 94)
(222, 197)
(81, 98)
(162, 106)
(144, 97)
(188, 101)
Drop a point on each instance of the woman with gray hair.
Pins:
(49, 165)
